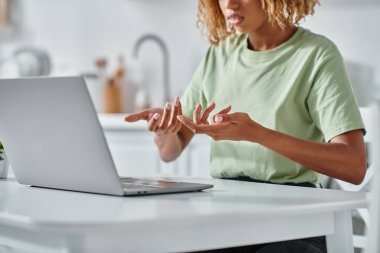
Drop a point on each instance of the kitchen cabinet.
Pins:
(134, 151)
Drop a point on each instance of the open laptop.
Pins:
(53, 139)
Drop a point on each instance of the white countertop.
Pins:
(111, 121)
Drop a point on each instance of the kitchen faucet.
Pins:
(165, 54)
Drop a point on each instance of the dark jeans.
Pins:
(307, 245)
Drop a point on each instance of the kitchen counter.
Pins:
(115, 122)
(133, 149)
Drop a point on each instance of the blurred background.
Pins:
(135, 54)
(152, 47)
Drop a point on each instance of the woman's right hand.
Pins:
(160, 121)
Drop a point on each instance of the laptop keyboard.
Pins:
(133, 183)
(136, 186)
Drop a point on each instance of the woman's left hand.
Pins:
(236, 126)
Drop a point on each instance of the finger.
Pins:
(196, 114)
(165, 117)
(173, 116)
(207, 112)
(187, 123)
(137, 116)
(220, 117)
(224, 111)
(179, 107)
(211, 129)
(175, 128)
(142, 115)
(201, 129)
(153, 122)
(178, 127)
(179, 123)
(171, 128)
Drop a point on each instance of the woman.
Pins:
(289, 111)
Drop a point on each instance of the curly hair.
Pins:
(281, 12)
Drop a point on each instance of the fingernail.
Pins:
(218, 118)
(176, 103)
(156, 116)
(167, 106)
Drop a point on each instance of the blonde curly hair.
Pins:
(282, 12)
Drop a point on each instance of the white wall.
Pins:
(75, 32)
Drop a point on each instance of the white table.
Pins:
(231, 214)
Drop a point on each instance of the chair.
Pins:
(373, 243)
(370, 118)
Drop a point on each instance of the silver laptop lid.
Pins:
(52, 135)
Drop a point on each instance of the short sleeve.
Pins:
(332, 104)
(194, 93)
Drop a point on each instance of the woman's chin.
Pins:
(240, 29)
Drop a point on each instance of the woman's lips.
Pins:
(235, 20)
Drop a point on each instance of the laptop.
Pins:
(53, 139)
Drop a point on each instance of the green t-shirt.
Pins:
(300, 88)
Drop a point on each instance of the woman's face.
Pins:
(246, 16)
